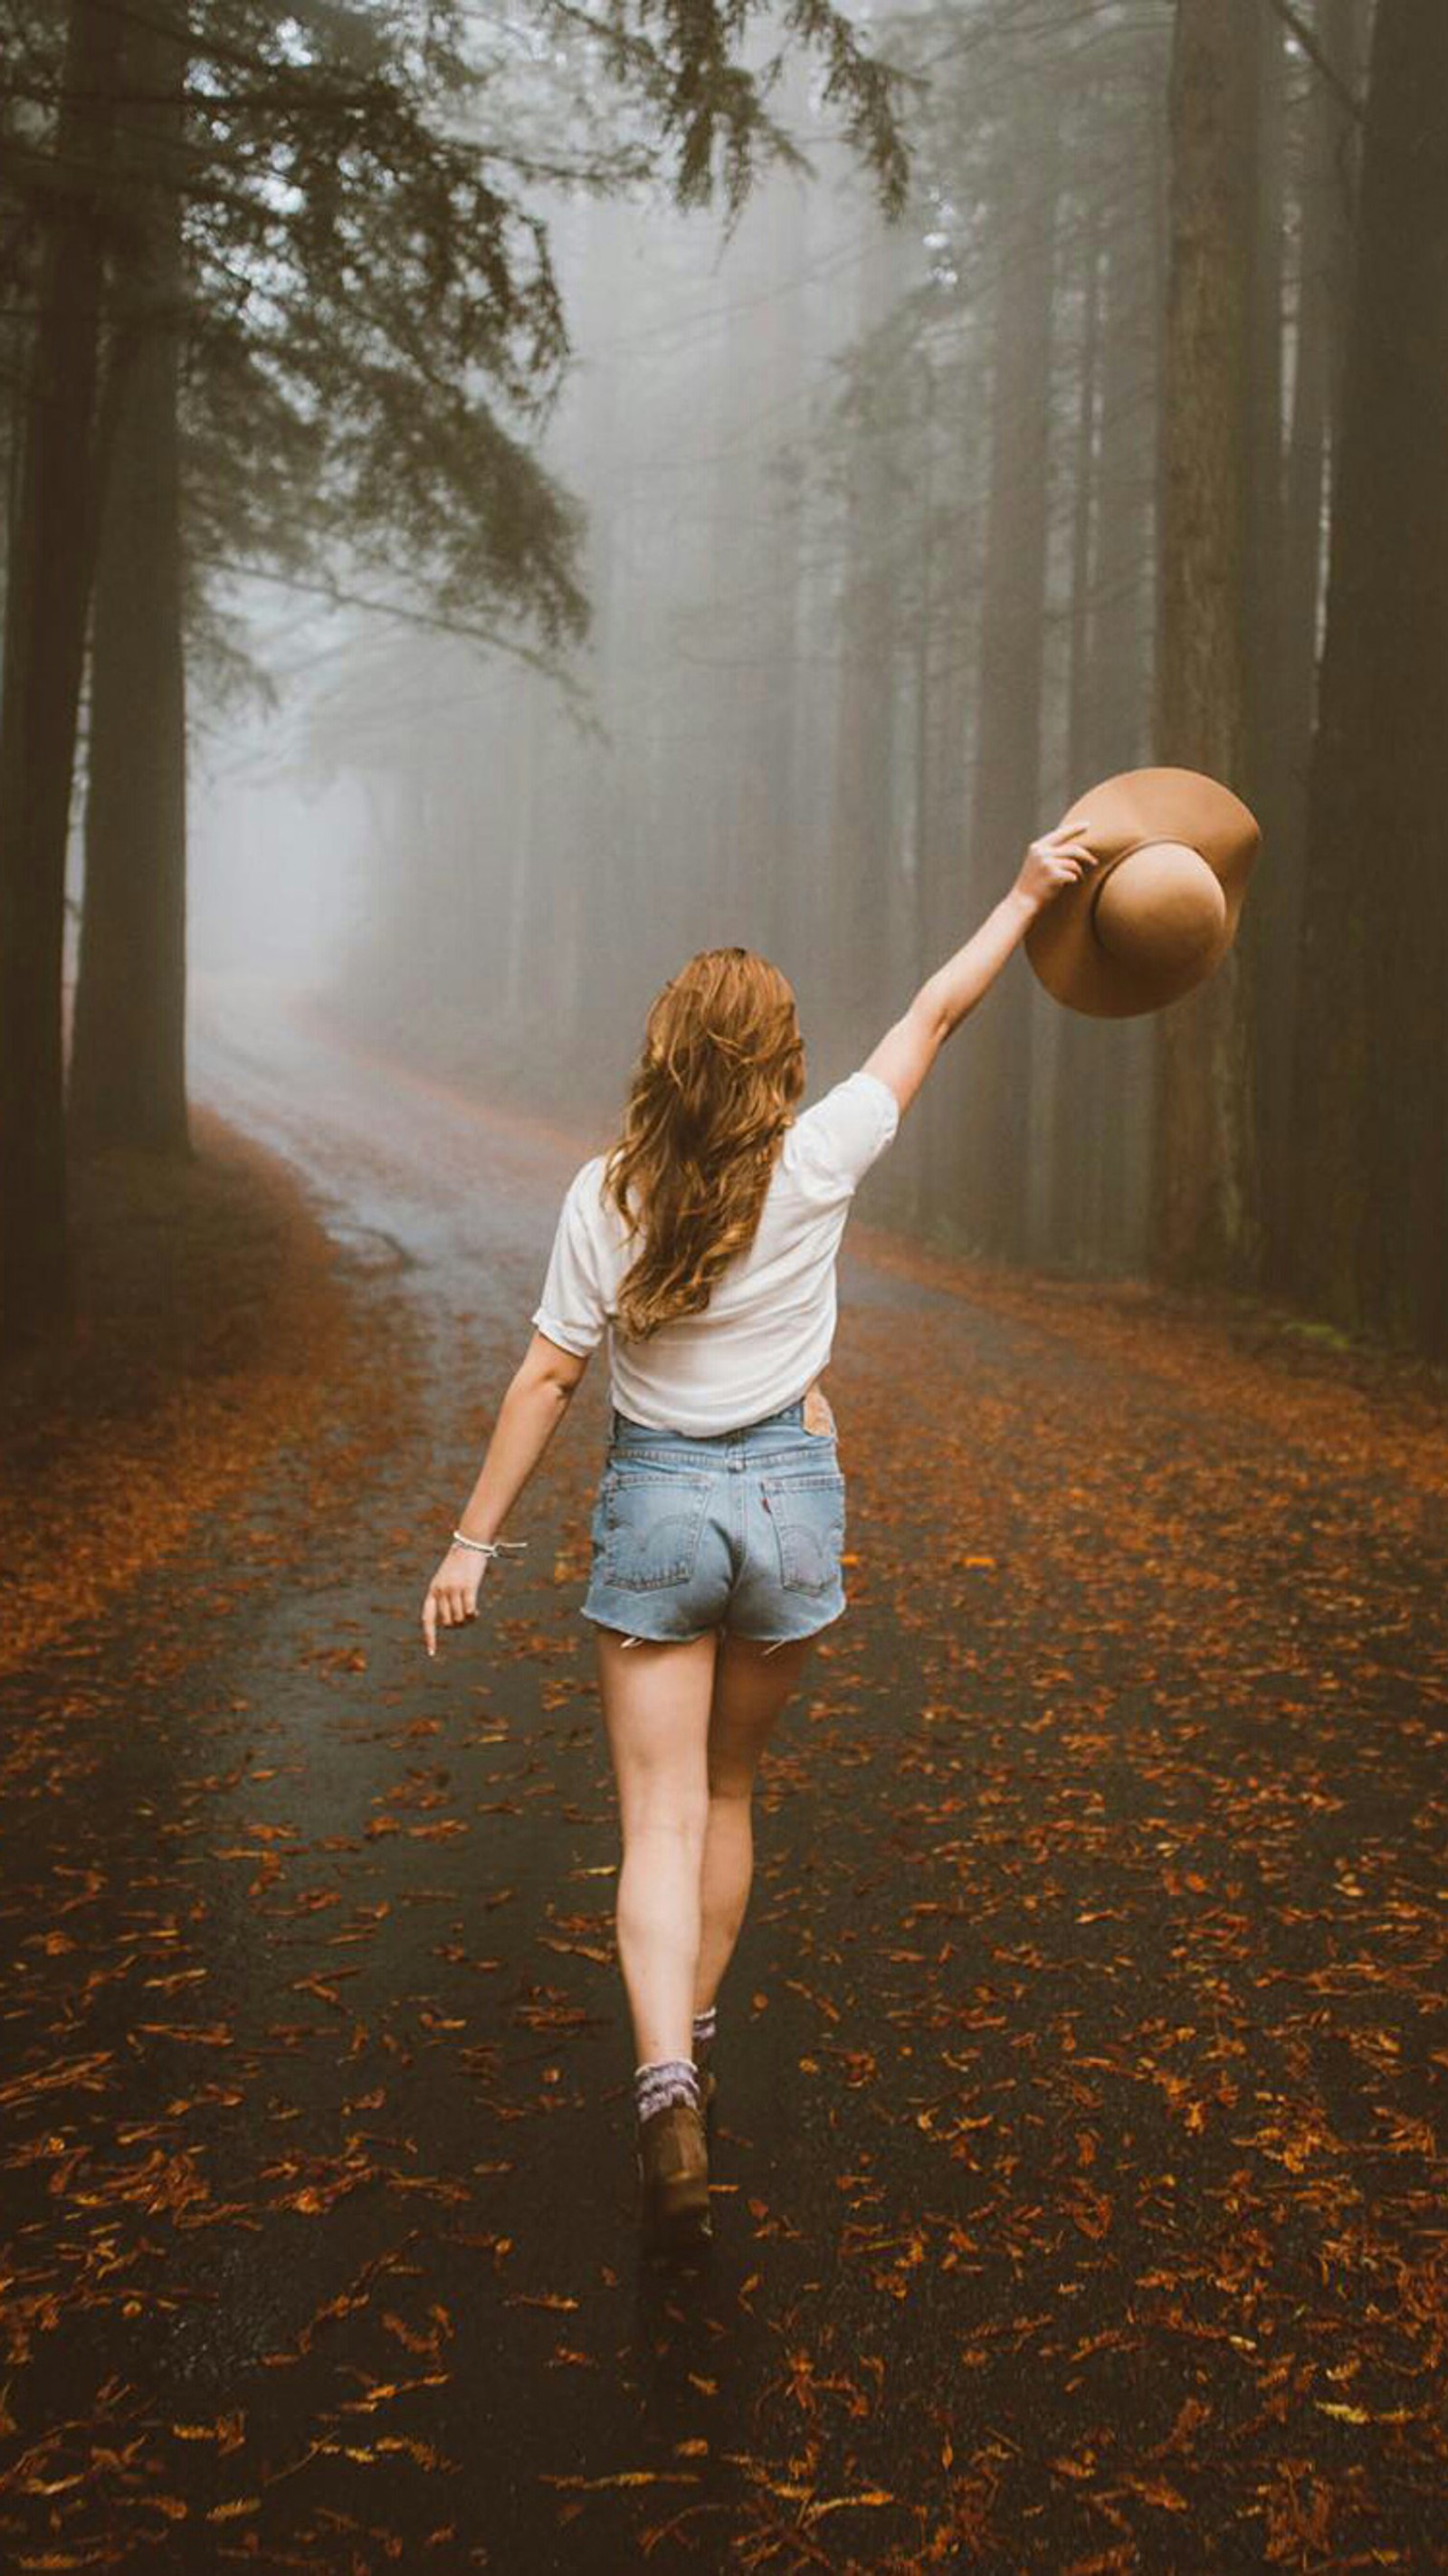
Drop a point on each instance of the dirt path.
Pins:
(1078, 2201)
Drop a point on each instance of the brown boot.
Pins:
(673, 2163)
(707, 2090)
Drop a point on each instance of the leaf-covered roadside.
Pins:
(213, 1313)
(1078, 2185)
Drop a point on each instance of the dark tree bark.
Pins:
(1204, 1221)
(1370, 1206)
(128, 1049)
(47, 594)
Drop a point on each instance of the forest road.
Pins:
(1077, 2198)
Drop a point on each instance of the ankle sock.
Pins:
(704, 2035)
(664, 2080)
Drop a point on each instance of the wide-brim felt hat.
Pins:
(1157, 912)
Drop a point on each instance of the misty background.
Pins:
(818, 453)
(848, 517)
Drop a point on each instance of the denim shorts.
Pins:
(740, 1530)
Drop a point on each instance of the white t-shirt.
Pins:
(769, 1325)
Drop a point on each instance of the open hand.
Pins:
(1059, 858)
(452, 1595)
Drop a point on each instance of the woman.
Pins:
(704, 1242)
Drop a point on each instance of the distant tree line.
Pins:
(276, 291)
(1139, 454)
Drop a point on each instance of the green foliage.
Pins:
(712, 110)
(372, 326)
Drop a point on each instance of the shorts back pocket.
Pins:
(647, 1526)
(808, 1513)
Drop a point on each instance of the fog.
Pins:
(445, 834)
(779, 433)
(863, 543)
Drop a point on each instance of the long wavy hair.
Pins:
(714, 1090)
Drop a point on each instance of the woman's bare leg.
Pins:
(751, 1686)
(656, 1704)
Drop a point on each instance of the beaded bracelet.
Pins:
(487, 1546)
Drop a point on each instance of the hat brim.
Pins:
(1136, 806)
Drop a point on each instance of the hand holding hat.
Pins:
(1158, 910)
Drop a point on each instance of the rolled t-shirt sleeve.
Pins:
(571, 1310)
(849, 1129)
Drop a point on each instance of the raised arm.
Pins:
(907, 1051)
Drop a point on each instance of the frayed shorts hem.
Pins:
(640, 1637)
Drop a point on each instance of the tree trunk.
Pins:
(1204, 1220)
(1007, 777)
(1263, 750)
(945, 902)
(1326, 203)
(47, 593)
(128, 1050)
(862, 786)
(1266, 752)
(769, 830)
(1370, 1207)
(1122, 1051)
(1075, 1122)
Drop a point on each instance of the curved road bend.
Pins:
(1075, 2186)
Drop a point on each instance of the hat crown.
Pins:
(1160, 909)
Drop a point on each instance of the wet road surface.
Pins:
(1078, 2203)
